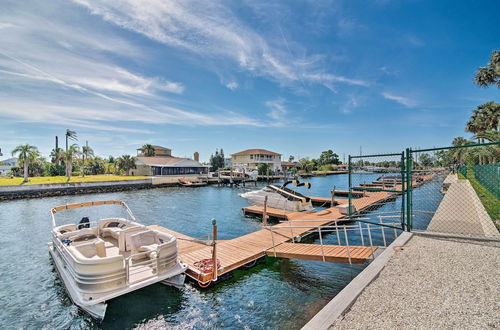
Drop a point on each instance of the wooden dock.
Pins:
(331, 253)
(277, 241)
(237, 252)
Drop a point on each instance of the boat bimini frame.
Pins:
(98, 261)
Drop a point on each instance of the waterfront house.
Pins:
(6, 165)
(163, 163)
(159, 151)
(287, 166)
(250, 159)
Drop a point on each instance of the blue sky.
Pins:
(296, 77)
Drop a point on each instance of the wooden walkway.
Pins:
(331, 253)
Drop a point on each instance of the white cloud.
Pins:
(278, 113)
(211, 30)
(232, 85)
(327, 77)
(350, 105)
(407, 102)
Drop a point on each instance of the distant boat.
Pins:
(237, 176)
(280, 197)
(187, 183)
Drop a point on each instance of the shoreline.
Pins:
(16, 192)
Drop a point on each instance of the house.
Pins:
(251, 158)
(287, 166)
(163, 163)
(6, 165)
(159, 151)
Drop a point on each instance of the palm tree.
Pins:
(70, 135)
(69, 155)
(126, 163)
(87, 153)
(27, 153)
(459, 155)
(490, 135)
(56, 156)
(489, 74)
(148, 150)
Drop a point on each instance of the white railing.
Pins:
(340, 230)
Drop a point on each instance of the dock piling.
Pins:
(214, 250)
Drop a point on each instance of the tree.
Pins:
(484, 118)
(491, 135)
(26, 154)
(291, 158)
(306, 165)
(425, 160)
(148, 150)
(70, 135)
(489, 74)
(126, 163)
(459, 155)
(56, 156)
(328, 157)
(262, 168)
(217, 160)
(70, 155)
(87, 153)
(95, 166)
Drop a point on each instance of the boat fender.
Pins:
(84, 223)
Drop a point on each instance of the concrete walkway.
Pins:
(432, 283)
(461, 212)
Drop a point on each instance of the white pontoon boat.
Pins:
(101, 260)
(280, 197)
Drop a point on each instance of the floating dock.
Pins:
(277, 240)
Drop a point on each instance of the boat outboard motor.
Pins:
(84, 223)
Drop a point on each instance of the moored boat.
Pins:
(110, 257)
(280, 197)
(188, 183)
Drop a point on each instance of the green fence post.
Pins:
(403, 190)
(409, 187)
(350, 186)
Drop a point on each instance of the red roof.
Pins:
(256, 152)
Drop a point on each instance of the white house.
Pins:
(251, 158)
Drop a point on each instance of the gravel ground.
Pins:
(432, 284)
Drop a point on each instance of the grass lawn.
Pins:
(62, 179)
(489, 201)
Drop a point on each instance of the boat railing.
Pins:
(140, 270)
(364, 230)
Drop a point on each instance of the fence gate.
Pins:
(452, 190)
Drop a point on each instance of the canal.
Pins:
(279, 293)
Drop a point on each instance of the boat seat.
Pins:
(119, 229)
(64, 229)
(154, 245)
(89, 250)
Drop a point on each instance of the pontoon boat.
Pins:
(101, 260)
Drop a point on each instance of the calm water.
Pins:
(277, 294)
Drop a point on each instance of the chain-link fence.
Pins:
(456, 190)
(377, 189)
(453, 190)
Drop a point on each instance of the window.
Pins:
(251, 156)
